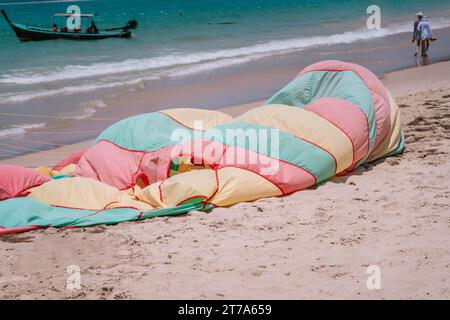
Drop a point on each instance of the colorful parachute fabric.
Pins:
(332, 118)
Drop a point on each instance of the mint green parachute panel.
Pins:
(147, 132)
(18, 212)
(317, 84)
(299, 152)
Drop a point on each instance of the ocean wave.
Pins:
(74, 72)
(21, 128)
(209, 66)
(94, 104)
(87, 110)
(80, 114)
(131, 72)
(16, 97)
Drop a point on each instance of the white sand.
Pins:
(315, 243)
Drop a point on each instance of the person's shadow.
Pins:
(369, 166)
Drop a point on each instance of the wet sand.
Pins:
(315, 243)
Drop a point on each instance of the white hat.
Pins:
(419, 14)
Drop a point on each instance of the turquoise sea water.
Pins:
(178, 38)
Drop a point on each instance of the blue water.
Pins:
(176, 33)
(177, 38)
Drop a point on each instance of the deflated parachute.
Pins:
(332, 118)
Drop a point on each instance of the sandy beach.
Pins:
(315, 243)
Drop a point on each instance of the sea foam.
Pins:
(83, 78)
(21, 128)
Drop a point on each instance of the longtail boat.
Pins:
(28, 33)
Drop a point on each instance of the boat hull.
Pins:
(35, 34)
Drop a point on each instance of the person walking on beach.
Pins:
(426, 35)
(422, 34)
(416, 32)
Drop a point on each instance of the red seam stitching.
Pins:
(369, 87)
(320, 147)
(160, 191)
(276, 185)
(177, 121)
(190, 198)
(342, 130)
(28, 188)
